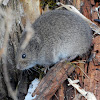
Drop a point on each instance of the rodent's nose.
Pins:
(19, 67)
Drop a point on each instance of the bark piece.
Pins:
(53, 80)
(61, 92)
(93, 84)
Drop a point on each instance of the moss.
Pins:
(51, 3)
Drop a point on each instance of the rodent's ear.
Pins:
(36, 42)
(37, 38)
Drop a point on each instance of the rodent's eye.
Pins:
(23, 55)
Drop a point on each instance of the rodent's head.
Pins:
(26, 58)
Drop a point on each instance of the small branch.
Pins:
(53, 80)
(61, 92)
(8, 24)
(7, 81)
(30, 33)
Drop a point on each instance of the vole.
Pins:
(59, 34)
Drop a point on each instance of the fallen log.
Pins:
(53, 80)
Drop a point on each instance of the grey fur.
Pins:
(59, 34)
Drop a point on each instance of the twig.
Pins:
(29, 34)
(8, 23)
(86, 94)
(83, 72)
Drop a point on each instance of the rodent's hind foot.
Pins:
(46, 69)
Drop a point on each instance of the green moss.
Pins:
(51, 3)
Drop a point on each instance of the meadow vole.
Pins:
(59, 34)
